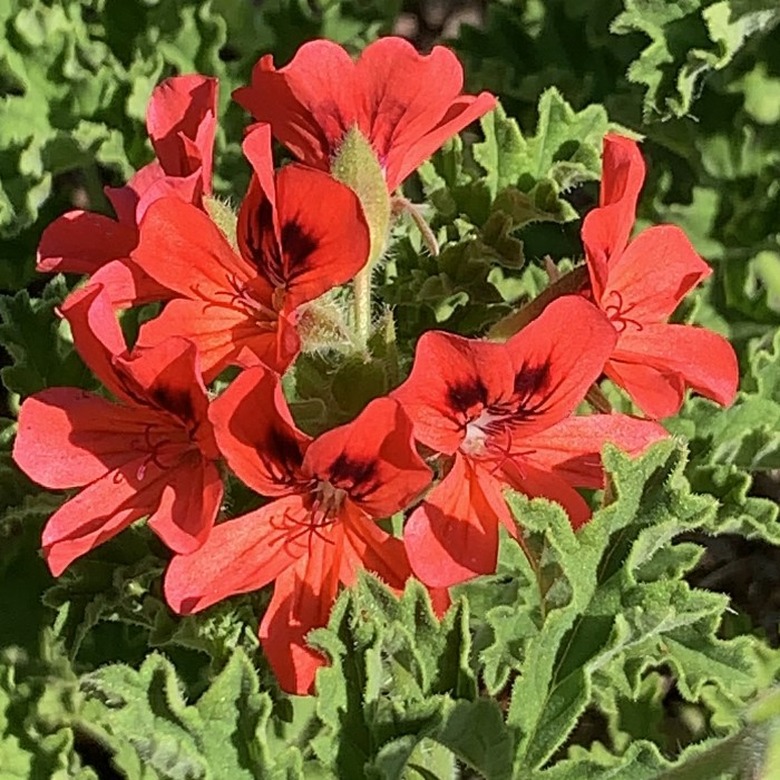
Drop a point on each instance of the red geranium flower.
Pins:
(638, 285)
(153, 453)
(181, 120)
(299, 234)
(504, 412)
(406, 104)
(317, 532)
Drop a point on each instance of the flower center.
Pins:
(616, 310)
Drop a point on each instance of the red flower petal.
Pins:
(127, 285)
(188, 505)
(453, 535)
(97, 336)
(647, 282)
(81, 242)
(223, 335)
(167, 377)
(239, 556)
(300, 603)
(451, 378)
(69, 438)
(257, 435)
(367, 546)
(98, 513)
(320, 247)
(704, 361)
(556, 358)
(572, 448)
(405, 103)
(182, 249)
(606, 229)
(309, 103)
(372, 458)
(184, 108)
(538, 483)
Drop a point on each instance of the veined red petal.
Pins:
(704, 361)
(406, 159)
(68, 437)
(372, 458)
(183, 106)
(97, 335)
(406, 100)
(257, 435)
(188, 505)
(310, 103)
(100, 511)
(127, 285)
(538, 483)
(452, 379)
(239, 556)
(182, 249)
(647, 282)
(453, 536)
(572, 448)
(81, 242)
(285, 624)
(223, 335)
(367, 546)
(657, 393)
(606, 229)
(556, 358)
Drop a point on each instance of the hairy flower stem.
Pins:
(362, 305)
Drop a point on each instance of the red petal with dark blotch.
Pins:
(372, 459)
(168, 377)
(555, 359)
(452, 380)
(256, 433)
(322, 246)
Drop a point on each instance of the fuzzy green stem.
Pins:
(362, 305)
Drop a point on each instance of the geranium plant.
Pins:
(384, 440)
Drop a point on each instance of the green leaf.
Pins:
(610, 604)
(148, 724)
(564, 152)
(689, 40)
(35, 339)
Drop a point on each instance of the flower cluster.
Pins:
(473, 418)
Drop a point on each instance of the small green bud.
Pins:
(356, 165)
